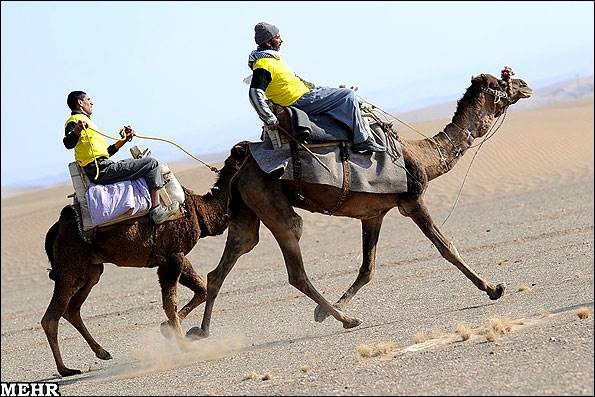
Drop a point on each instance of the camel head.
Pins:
(499, 94)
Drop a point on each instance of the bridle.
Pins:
(498, 96)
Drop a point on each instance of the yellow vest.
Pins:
(285, 87)
(90, 144)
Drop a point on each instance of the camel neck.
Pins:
(450, 144)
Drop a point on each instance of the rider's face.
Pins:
(275, 42)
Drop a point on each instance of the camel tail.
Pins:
(50, 237)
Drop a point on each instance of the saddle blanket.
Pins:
(379, 172)
(107, 202)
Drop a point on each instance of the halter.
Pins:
(497, 94)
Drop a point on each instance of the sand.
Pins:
(524, 217)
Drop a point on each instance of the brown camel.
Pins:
(77, 265)
(256, 197)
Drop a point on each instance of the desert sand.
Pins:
(524, 217)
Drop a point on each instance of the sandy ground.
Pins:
(525, 217)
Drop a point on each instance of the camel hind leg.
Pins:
(73, 311)
(416, 210)
(66, 285)
(370, 233)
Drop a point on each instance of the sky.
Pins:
(175, 70)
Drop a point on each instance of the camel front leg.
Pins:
(190, 279)
(370, 233)
(73, 312)
(169, 274)
(195, 282)
(242, 237)
(417, 211)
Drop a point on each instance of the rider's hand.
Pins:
(273, 124)
(80, 125)
(127, 133)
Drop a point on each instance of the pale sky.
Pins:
(175, 69)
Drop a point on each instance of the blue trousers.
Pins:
(340, 103)
(110, 171)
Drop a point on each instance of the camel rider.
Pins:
(92, 154)
(273, 78)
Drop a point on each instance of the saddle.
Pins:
(172, 191)
(299, 132)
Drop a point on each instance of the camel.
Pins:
(77, 265)
(257, 197)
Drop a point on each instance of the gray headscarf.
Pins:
(263, 32)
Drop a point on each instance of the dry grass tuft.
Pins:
(500, 325)
(584, 312)
(420, 337)
(490, 335)
(266, 376)
(251, 375)
(306, 368)
(524, 288)
(385, 348)
(436, 334)
(365, 350)
(464, 331)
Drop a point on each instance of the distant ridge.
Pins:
(563, 91)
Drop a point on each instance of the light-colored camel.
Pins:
(257, 197)
(77, 265)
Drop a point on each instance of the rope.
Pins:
(488, 136)
(212, 168)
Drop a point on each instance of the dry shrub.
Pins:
(436, 334)
(306, 368)
(365, 350)
(420, 337)
(500, 325)
(490, 335)
(463, 331)
(256, 376)
(251, 375)
(385, 348)
(583, 312)
(524, 288)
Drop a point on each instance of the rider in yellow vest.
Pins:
(92, 153)
(272, 78)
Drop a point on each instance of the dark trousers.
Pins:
(127, 169)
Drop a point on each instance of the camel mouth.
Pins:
(526, 92)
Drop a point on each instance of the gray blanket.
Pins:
(370, 172)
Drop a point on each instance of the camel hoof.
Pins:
(351, 323)
(103, 355)
(320, 314)
(497, 292)
(196, 333)
(69, 372)
(166, 330)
